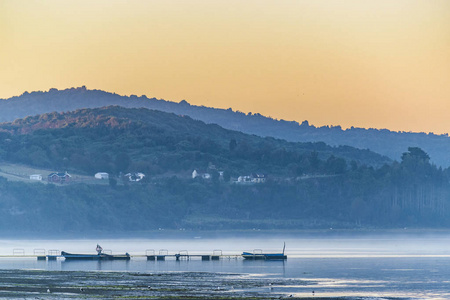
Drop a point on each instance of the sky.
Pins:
(362, 63)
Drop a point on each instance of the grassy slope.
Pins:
(19, 172)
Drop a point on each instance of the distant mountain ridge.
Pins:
(383, 141)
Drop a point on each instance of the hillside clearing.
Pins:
(19, 172)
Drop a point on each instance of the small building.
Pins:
(59, 177)
(101, 175)
(196, 174)
(36, 177)
(254, 178)
(135, 176)
(258, 178)
(244, 179)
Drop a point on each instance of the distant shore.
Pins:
(212, 234)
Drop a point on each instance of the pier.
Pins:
(150, 255)
(184, 255)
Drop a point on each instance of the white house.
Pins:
(254, 178)
(258, 178)
(101, 175)
(36, 177)
(243, 179)
(196, 174)
(135, 176)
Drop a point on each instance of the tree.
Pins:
(112, 182)
(233, 145)
(314, 161)
(335, 165)
(417, 154)
(122, 162)
(226, 176)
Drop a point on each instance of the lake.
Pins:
(406, 266)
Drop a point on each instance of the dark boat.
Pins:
(264, 256)
(99, 256)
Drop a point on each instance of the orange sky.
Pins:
(381, 64)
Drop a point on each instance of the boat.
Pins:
(103, 256)
(258, 254)
(99, 256)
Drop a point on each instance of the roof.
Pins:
(59, 174)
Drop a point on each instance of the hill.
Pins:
(115, 139)
(389, 143)
(290, 186)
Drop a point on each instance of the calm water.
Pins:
(410, 267)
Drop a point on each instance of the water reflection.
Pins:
(91, 265)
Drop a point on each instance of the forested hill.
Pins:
(385, 142)
(291, 185)
(155, 142)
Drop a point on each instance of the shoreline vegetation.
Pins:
(224, 234)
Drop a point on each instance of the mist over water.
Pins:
(379, 266)
(313, 244)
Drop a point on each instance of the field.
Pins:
(18, 172)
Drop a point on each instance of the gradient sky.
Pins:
(378, 64)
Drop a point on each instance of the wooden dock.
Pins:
(150, 255)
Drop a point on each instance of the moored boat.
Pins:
(258, 254)
(99, 256)
(102, 256)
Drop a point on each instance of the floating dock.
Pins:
(150, 255)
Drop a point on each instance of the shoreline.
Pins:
(41, 284)
(214, 234)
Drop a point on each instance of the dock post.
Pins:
(184, 254)
(216, 254)
(53, 254)
(40, 254)
(150, 253)
(162, 254)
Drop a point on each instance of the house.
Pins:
(135, 176)
(258, 178)
(36, 177)
(101, 175)
(254, 178)
(244, 179)
(196, 174)
(59, 177)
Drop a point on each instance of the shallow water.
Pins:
(410, 267)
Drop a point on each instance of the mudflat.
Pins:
(41, 284)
